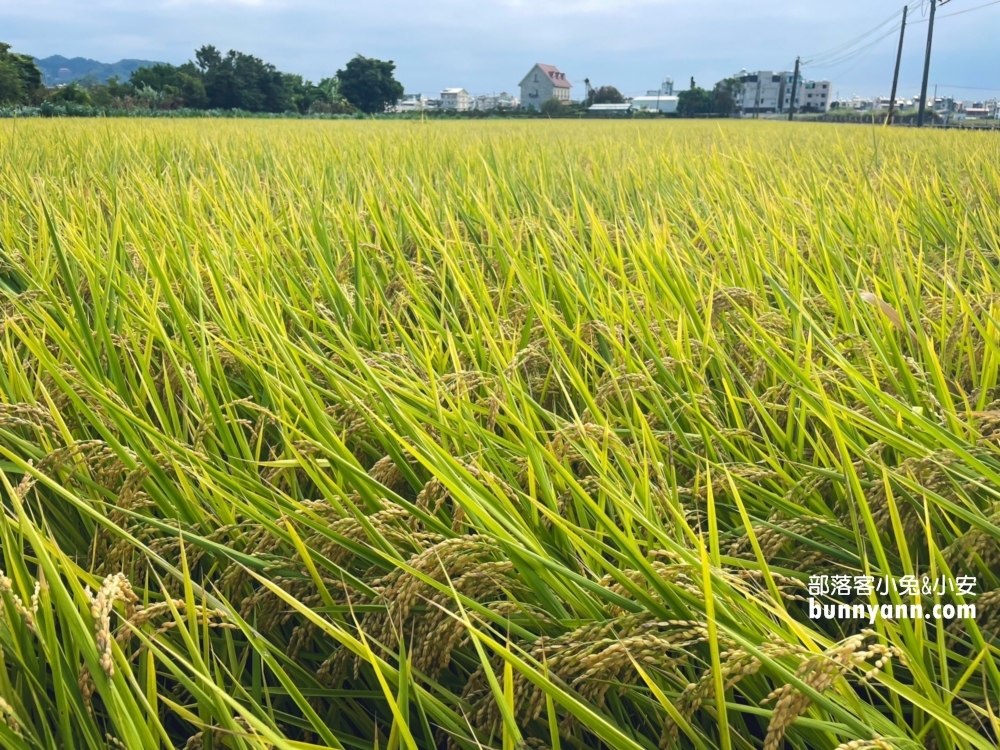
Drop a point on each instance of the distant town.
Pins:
(759, 93)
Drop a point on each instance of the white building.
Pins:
(813, 96)
(767, 91)
(412, 103)
(761, 91)
(609, 110)
(856, 102)
(657, 100)
(503, 100)
(542, 83)
(456, 99)
(656, 103)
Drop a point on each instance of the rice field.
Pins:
(491, 435)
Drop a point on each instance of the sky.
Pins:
(488, 47)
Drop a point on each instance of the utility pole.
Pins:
(927, 66)
(795, 83)
(756, 101)
(895, 76)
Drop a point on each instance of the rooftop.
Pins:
(558, 78)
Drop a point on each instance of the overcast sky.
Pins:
(489, 46)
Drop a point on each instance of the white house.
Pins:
(456, 99)
(503, 100)
(412, 103)
(542, 83)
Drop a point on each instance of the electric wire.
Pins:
(846, 46)
(960, 12)
(850, 50)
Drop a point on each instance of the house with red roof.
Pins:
(542, 83)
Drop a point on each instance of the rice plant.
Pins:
(534, 435)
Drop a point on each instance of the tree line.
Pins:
(212, 81)
(239, 81)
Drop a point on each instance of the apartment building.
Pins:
(457, 100)
(768, 91)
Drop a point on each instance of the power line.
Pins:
(961, 12)
(841, 48)
(967, 88)
(847, 51)
(850, 50)
(853, 53)
(856, 50)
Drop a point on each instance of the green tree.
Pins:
(553, 108)
(241, 81)
(70, 94)
(695, 101)
(20, 78)
(725, 96)
(181, 86)
(208, 57)
(304, 94)
(605, 95)
(11, 86)
(369, 84)
(332, 101)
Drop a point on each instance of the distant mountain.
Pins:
(58, 69)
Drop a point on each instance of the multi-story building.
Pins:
(456, 99)
(542, 83)
(813, 96)
(503, 100)
(761, 91)
(767, 91)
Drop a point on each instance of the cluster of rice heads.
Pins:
(368, 435)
